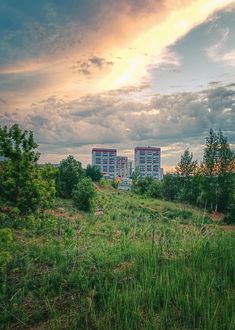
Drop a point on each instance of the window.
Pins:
(98, 161)
(111, 168)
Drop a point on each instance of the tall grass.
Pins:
(132, 268)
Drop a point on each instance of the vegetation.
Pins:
(143, 264)
(210, 185)
(136, 263)
(22, 183)
(93, 172)
(84, 195)
(70, 172)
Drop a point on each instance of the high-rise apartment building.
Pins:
(122, 167)
(148, 161)
(130, 168)
(105, 159)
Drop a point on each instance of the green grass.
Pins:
(144, 264)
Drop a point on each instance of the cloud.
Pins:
(2, 101)
(113, 43)
(217, 52)
(62, 126)
(90, 66)
(79, 73)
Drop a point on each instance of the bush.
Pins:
(114, 183)
(155, 189)
(70, 172)
(93, 172)
(22, 183)
(84, 194)
(230, 216)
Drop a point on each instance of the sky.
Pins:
(120, 74)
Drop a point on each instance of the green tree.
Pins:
(170, 186)
(70, 172)
(84, 194)
(155, 189)
(218, 167)
(187, 166)
(93, 172)
(141, 184)
(186, 169)
(22, 183)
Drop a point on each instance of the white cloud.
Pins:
(217, 52)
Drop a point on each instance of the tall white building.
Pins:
(148, 161)
(105, 159)
(122, 167)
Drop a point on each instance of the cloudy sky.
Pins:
(126, 73)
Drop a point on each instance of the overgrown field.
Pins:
(140, 264)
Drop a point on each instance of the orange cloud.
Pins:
(131, 42)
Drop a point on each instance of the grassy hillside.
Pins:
(139, 264)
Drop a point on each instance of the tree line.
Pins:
(209, 185)
(30, 187)
(26, 185)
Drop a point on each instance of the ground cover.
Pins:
(140, 263)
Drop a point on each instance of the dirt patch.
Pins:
(216, 216)
(228, 227)
(57, 213)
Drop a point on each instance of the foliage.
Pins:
(155, 189)
(218, 168)
(70, 172)
(115, 183)
(141, 184)
(22, 183)
(93, 172)
(104, 182)
(187, 166)
(6, 240)
(210, 185)
(84, 195)
(170, 186)
(131, 268)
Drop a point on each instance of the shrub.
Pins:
(22, 183)
(114, 183)
(84, 194)
(70, 172)
(93, 172)
(155, 189)
(230, 216)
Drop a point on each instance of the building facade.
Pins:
(105, 159)
(148, 161)
(122, 167)
(130, 168)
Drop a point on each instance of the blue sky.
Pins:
(118, 74)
